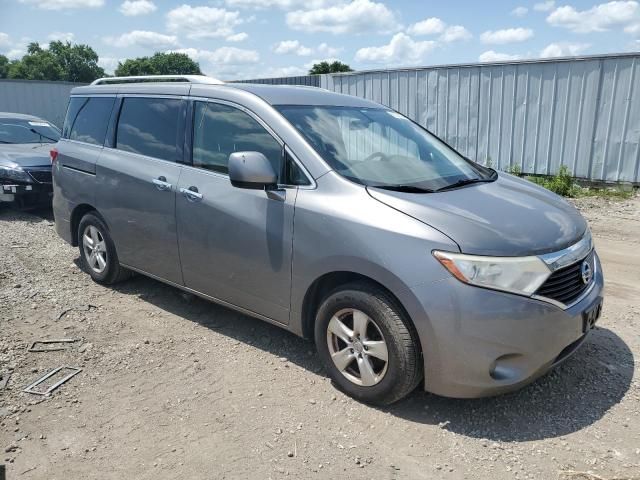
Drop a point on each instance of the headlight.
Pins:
(522, 275)
(15, 174)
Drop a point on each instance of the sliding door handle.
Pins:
(161, 183)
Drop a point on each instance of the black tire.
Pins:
(404, 370)
(113, 272)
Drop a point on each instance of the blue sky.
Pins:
(259, 38)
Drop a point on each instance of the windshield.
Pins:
(27, 131)
(380, 147)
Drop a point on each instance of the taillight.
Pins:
(53, 153)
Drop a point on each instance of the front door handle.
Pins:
(161, 183)
(191, 193)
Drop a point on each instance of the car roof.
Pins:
(272, 94)
(302, 95)
(18, 116)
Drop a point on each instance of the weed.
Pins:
(564, 184)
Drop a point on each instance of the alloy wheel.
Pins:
(95, 249)
(357, 347)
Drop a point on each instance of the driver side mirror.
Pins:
(251, 170)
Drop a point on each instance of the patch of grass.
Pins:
(564, 184)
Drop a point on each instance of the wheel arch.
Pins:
(76, 216)
(326, 283)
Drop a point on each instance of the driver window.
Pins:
(219, 130)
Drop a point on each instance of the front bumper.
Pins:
(478, 342)
(26, 192)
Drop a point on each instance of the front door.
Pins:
(137, 183)
(235, 244)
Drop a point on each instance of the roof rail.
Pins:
(203, 79)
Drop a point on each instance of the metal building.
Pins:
(43, 99)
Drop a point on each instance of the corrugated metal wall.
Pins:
(47, 100)
(583, 113)
(537, 115)
(308, 80)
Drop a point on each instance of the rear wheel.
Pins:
(97, 251)
(367, 344)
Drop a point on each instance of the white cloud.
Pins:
(283, 4)
(491, 56)
(359, 16)
(597, 19)
(455, 33)
(222, 55)
(434, 26)
(237, 37)
(327, 50)
(429, 26)
(203, 22)
(294, 47)
(16, 53)
(507, 35)
(291, 71)
(402, 49)
(64, 4)
(61, 36)
(5, 40)
(133, 8)
(519, 11)
(544, 6)
(144, 39)
(633, 29)
(563, 49)
(108, 63)
(287, 47)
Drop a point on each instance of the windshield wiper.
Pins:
(4, 141)
(42, 135)
(403, 188)
(465, 181)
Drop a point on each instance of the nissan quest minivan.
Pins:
(335, 218)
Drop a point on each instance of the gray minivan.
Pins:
(333, 217)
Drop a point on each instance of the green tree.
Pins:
(326, 67)
(61, 61)
(4, 66)
(79, 63)
(159, 64)
(37, 64)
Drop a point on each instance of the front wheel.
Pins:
(368, 346)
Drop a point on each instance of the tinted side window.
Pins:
(219, 130)
(149, 126)
(87, 119)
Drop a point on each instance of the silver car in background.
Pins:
(333, 217)
(25, 166)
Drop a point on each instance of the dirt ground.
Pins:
(175, 387)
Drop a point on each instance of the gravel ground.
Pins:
(175, 387)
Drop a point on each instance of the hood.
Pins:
(507, 217)
(26, 154)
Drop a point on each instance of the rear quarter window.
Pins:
(87, 119)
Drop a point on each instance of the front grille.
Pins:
(566, 284)
(41, 176)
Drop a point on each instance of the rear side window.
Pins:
(220, 130)
(149, 126)
(87, 119)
